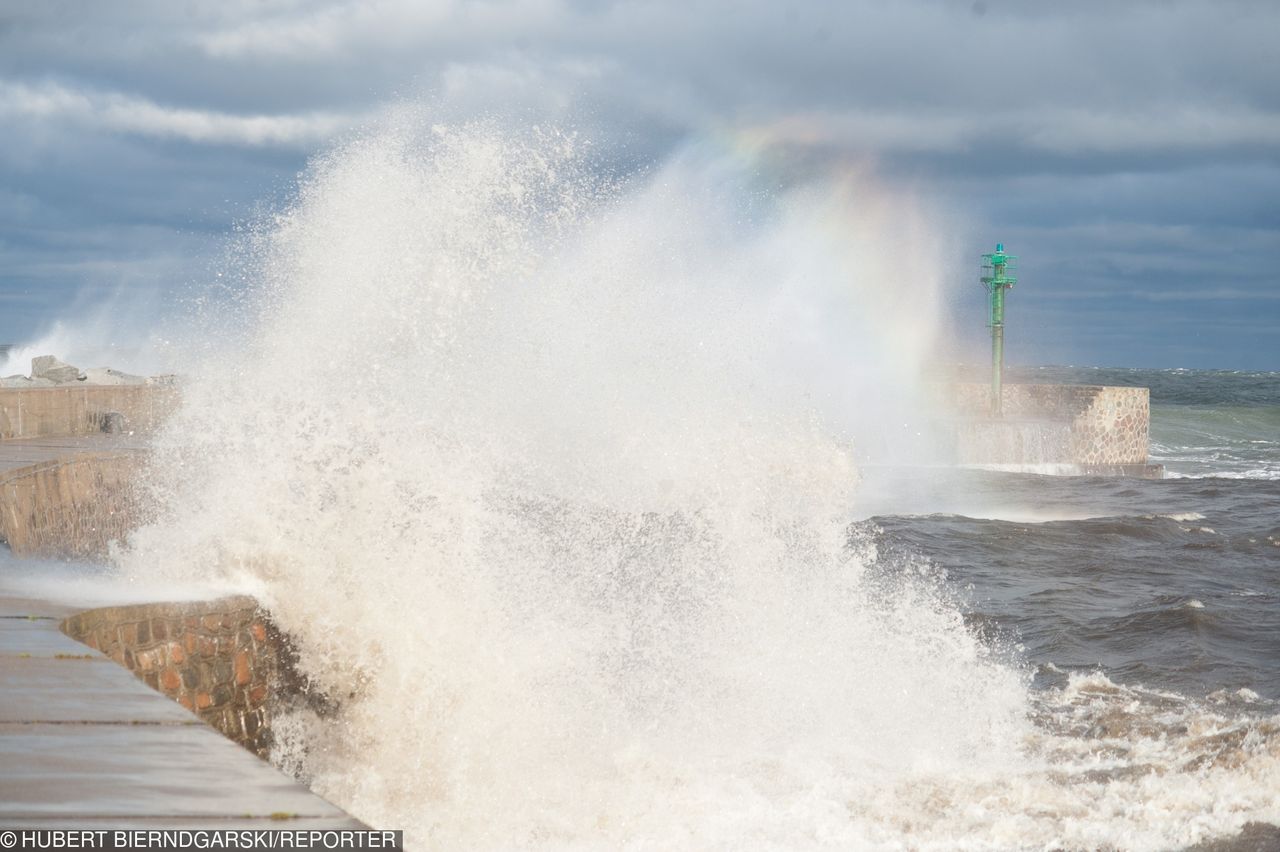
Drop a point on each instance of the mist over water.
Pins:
(554, 484)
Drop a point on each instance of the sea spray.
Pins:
(512, 457)
(524, 462)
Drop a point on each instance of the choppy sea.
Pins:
(1148, 611)
(1170, 583)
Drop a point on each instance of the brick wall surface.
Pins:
(223, 659)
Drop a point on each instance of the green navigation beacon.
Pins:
(999, 265)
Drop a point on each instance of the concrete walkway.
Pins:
(84, 744)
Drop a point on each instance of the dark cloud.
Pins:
(1129, 152)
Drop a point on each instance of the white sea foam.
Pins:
(1252, 473)
(524, 465)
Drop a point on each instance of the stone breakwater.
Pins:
(1115, 428)
(222, 659)
(1090, 426)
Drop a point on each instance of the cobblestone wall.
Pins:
(223, 659)
(1086, 425)
(1114, 429)
(1035, 402)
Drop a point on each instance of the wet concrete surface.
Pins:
(84, 743)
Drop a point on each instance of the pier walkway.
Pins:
(84, 744)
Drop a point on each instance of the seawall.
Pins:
(70, 506)
(222, 659)
(173, 735)
(69, 459)
(83, 409)
(1095, 428)
(85, 744)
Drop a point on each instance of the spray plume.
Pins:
(529, 465)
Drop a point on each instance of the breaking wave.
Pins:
(540, 472)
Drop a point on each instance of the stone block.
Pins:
(170, 680)
(57, 371)
(149, 660)
(222, 694)
(243, 673)
(222, 670)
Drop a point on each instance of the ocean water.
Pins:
(1144, 611)
(591, 507)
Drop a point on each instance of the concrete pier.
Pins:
(84, 744)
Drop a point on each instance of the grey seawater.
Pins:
(1172, 584)
(1139, 608)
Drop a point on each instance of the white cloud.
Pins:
(336, 28)
(129, 114)
(1051, 130)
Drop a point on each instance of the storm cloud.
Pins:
(1129, 153)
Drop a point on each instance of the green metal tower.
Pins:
(999, 265)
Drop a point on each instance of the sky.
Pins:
(1128, 153)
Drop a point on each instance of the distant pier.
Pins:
(1084, 429)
